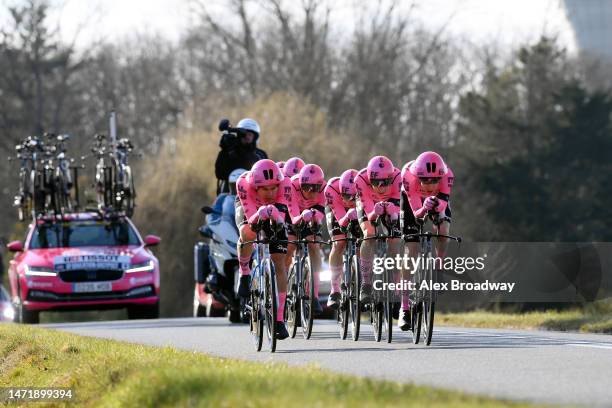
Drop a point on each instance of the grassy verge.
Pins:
(110, 373)
(594, 318)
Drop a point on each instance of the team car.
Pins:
(84, 261)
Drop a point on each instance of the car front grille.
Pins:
(134, 293)
(91, 275)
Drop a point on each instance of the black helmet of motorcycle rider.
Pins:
(233, 178)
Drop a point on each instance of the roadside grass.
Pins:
(116, 374)
(593, 318)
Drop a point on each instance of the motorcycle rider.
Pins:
(238, 150)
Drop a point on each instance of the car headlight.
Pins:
(39, 271)
(9, 313)
(325, 275)
(148, 266)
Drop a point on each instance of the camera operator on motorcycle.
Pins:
(238, 150)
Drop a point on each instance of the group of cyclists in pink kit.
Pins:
(288, 196)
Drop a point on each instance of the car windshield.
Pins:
(83, 233)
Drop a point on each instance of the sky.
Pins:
(507, 22)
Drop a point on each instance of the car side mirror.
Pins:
(152, 240)
(15, 246)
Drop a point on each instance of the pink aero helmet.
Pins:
(311, 174)
(428, 164)
(347, 182)
(293, 166)
(380, 168)
(266, 173)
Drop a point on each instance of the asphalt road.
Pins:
(536, 366)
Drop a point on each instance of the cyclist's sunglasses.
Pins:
(380, 182)
(348, 197)
(429, 180)
(311, 188)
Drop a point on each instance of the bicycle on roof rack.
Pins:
(114, 181)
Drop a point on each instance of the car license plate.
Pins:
(92, 287)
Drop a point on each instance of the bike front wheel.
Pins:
(292, 307)
(270, 304)
(307, 300)
(353, 298)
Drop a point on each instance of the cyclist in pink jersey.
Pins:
(426, 187)
(378, 194)
(293, 166)
(340, 196)
(307, 211)
(264, 193)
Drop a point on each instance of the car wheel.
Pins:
(234, 316)
(199, 311)
(24, 316)
(143, 311)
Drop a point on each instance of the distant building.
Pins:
(591, 21)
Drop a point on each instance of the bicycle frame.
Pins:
(422, 301)
(300, 259)
(263, 270)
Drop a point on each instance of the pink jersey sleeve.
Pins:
(246, 194)
(446, 185)
(410, 185)
(334, 199)
(294, 206)
(364, 191)
(396, 185)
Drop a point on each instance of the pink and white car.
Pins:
(83, 262)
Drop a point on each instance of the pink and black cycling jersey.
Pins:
(249, 200)
(334, 201)
(300, 203)
(368, 196)
(416, 195)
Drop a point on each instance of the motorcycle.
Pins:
(216, 268)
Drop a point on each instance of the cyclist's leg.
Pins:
(290, 247)
(335, 262)
(246, 234)
(366, 254)
(337, 250)
(314, 251)
(278, 255)
(443, 227)
(278, 259)
(408, 226)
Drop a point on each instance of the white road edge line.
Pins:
(602, 346)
